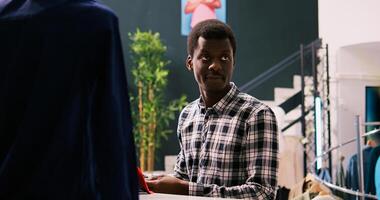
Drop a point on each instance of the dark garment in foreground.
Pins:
(282, 193)
(65, 124)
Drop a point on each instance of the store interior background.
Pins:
(266, 33)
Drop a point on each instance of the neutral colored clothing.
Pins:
(290, 161)
(325, 197)
(229, 149)
(290, 166)
(309, 188)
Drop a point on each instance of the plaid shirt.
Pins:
(230, 149)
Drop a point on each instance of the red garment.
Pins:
(142, 182)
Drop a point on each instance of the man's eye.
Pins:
(225, 58)
(205, 58)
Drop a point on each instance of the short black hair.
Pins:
(210, 29)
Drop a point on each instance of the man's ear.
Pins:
(189, 63)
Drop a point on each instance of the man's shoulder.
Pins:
(191, 107)
(251, 103)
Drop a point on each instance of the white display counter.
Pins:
(159, 196)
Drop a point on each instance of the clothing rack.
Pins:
(360, 193)
(343, 144)
(345, 190)
(371, 132)
(371, 124)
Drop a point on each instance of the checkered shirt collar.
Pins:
(222, 104)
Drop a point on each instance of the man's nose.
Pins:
(215, 66)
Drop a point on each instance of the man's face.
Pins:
(212, 63)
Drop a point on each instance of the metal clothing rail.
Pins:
(371, 124)
(359, 161)
(345, 190)
(371, 132)
(344, 143)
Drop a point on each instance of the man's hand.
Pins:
(169, 184)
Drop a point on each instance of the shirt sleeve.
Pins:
(262, 163)
(180, 166)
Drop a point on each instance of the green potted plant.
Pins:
(150, 114)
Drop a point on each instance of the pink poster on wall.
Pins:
(195, 11)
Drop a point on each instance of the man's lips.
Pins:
(214, 77)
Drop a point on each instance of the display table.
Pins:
(158, 196)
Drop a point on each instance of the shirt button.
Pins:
(202, 163)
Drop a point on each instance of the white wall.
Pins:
(347, 22)
(358, 67)
(351, 29)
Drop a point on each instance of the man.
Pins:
(228, 139)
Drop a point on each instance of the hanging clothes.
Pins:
(340, 179)
(308, 188)
(290, 160)
(377, 178)
(370, 183)
(324, 175)
(340, 175)
(65, 124)
(282, 193)
(352, 175)
(290, 155)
